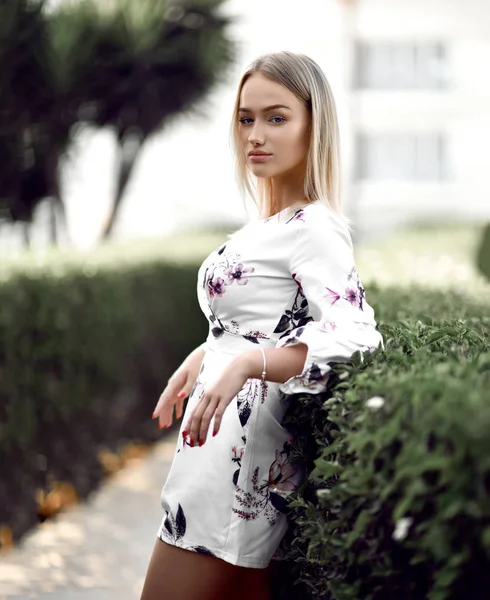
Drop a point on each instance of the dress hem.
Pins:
(226, 556)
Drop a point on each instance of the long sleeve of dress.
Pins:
(336, 319)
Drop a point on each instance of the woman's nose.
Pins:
(256, 136)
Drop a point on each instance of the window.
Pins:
(394, 66)
(417, 158)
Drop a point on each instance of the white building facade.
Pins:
(415, 97)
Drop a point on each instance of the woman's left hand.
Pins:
(215, 400)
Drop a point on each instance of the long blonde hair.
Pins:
(304, 78)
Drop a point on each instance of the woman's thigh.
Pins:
(178, 574)
(253, 583)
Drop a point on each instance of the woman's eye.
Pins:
(277, 119)
(245, 120)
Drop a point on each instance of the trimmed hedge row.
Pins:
(83, 359)
(397, 504)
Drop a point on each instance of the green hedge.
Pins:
(398, 501)
(84, 356)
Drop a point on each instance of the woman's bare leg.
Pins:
(253, 583)
(178, 574)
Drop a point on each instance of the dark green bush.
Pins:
(398, 501)
(83, 359)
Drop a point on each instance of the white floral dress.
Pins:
(279, 281)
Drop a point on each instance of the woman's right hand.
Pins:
(178, 388)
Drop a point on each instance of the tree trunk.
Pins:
(58, 222)
(127, 163)
(26, 235)
(53, 230)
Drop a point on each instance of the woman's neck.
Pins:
(288, 190)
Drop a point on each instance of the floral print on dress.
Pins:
(236, 273)
(353, 295)
(173, 531)
(255, 336)
(328, 325)
(298, 216)
(217, 327)
(297, 315)
(356, 299)
(268, 496)
(312, 376)
(217, 277)
(275, 284)
(231, 270)
(236, 458)
(216, 286)
(246, 397)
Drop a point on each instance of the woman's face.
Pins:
(273, 127)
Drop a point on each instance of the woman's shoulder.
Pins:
(318, 219)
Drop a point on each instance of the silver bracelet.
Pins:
(264, 367)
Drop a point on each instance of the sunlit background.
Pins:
(414, 109)
(410, 78)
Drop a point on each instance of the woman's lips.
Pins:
(259, 157)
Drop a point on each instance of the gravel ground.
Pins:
(98, 550)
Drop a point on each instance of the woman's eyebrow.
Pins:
(266, 109)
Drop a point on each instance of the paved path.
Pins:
(98, 550)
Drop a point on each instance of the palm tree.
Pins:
(139, 64)
(124, 64)
(32, 132)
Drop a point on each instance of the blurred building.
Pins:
(410, 78)
(417, 110)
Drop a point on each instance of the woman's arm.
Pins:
(281, 363)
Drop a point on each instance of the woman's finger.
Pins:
(218, 416)
(162, 404)
(206, 420)
(168, 395)
(163, 415)
(194, 423)
(179, 405)
(184, 393)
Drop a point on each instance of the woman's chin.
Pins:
(260, 171)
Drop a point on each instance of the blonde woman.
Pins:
(284, 301)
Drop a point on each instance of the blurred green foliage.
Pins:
(34, 129)
(130, 66)
(397, 504)
(84, 356)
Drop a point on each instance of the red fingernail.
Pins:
(214, 433)
(185, 433)
(191, 443)
(201, 442)
(181, 395)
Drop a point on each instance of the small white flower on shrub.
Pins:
(323, 493)
(375, 402)
(401, 528)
